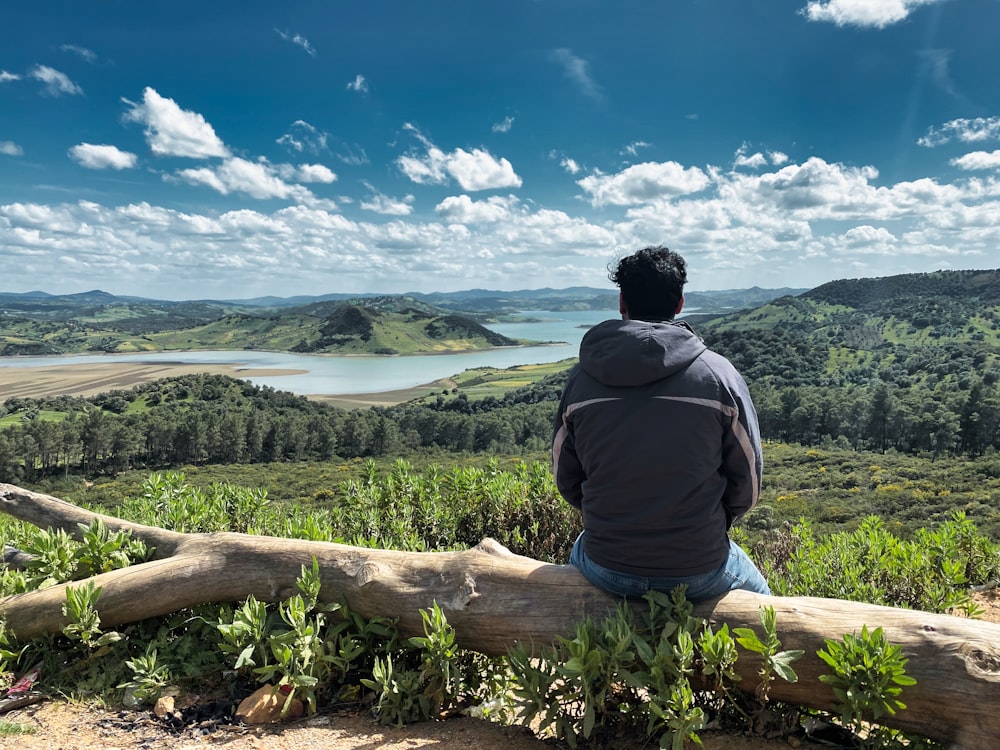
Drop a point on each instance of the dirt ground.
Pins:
(58, 725)
(62, 726)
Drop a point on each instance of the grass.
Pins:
(11, 420)
(15, 728)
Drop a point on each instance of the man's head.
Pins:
(651, 282)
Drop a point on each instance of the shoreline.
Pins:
(44, 381)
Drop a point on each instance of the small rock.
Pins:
(264, 706)
(164, 707)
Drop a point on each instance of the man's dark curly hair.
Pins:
(651, 281)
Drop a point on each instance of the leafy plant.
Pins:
(868, 676)
(150, 675)
(773, 661)
(81, 610)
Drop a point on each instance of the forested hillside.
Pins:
(906, 362)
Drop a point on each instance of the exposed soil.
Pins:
(59, 725)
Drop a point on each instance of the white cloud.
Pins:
(965, 130)
(94, 156)
(578, 71)
(753, 161)
(315, 173)
(632, 149)
(56, 83)
(643, 183)
(298, 40)
(978, 160)
(473, 170)
(504, 126)
(777, 157)
(463, 210)
(9, 148)
(865, 13)
(6, 76)
(480, 170)
(236, 175)
(88, 55)
(303, 137)
(867, 236)
(383, 204)
(570, 165)
(172, 131)
(359, 84)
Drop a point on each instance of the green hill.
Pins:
(376, 325)
(913, 329)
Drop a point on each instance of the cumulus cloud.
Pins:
(865, 13)
(56, 83)
(577, 70)
(298, 40)
(94, 156)
(473, 170)
(236, 175)
(504, 125)
(383, 204)
(172, 131)
(464, 210)
(6, 76)
(975, 130)
(815, 186)
(978, 160)
(867, 236)
(751, 161)
(314, 173)
(359, 84)
(9, 148)
(643, 183)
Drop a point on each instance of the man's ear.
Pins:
(621, 306)
(680, 306)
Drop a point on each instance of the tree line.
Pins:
(214, 419)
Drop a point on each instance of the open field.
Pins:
(91, 379)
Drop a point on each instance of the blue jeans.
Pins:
(737, 572)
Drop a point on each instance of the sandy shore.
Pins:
(91, 379)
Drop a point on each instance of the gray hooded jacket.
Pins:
(656, 442)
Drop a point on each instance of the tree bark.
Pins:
(495, 599)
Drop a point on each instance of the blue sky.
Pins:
(232, 149)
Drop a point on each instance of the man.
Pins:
(656, 442)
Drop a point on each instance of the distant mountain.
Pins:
(372, 325)
(482, 302)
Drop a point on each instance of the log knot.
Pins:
(984, 664)
(465, 595)
(367, 573)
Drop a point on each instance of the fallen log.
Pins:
(495, 599)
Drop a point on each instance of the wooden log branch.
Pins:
(495, 599)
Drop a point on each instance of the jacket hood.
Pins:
(636, 352)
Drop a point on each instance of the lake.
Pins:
(354, 375)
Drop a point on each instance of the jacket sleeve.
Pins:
(566, 466)
(742, 460)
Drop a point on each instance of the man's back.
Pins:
(656, 443)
